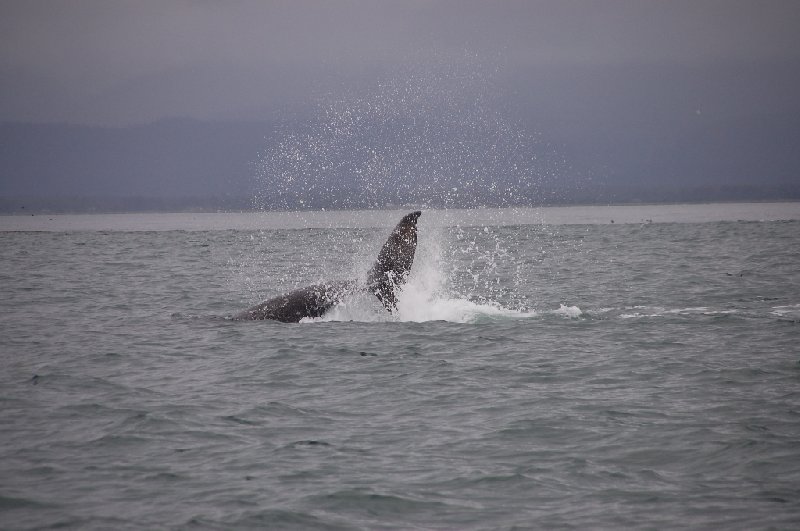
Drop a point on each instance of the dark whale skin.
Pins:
(310, 301)
(394, 262)
(388, 274)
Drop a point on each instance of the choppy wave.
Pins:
(597, 377)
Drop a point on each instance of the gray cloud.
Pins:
(124, 62)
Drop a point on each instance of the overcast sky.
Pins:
(121, 62)
(634, 99)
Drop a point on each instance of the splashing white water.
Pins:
(422, 136)
(568, 311)
(427, 296)
(417, 305)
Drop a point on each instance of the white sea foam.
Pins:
(456, 310)
(791, 311)
(568, 311)
(419, 310)
(657, 311)
(421, 300)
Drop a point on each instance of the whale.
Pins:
(393, 266)
(385, 279)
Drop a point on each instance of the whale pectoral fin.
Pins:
(393, 266)
(387, 276)
(385, 292)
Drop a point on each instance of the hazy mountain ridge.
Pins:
(184, 164)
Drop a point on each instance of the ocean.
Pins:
(546, 369)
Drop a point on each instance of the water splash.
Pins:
(462, 273)
(457, 278)
(432, 137)
(568, 311)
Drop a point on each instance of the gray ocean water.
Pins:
(546, 369)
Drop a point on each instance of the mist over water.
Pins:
(434, 137)
(423, 137)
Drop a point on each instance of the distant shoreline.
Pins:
(368, 219)
(41, 211)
